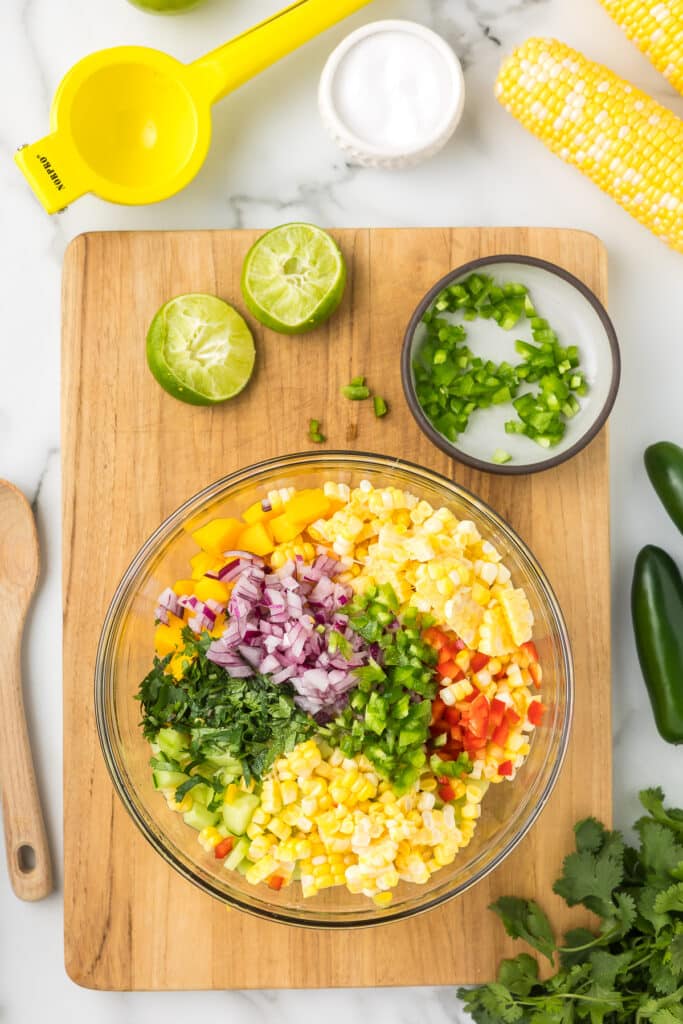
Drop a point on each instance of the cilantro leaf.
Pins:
(660, 854)
(606, 966)
(668, 1015)
(662, 978)
(590, 835)
(653, 802)
(670, 899)
(676, 954)
(646, 908)
(591, 875)
(623, 916)
(519, 975)
(524, 919)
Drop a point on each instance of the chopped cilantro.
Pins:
(253, 720)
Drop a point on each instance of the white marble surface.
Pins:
(271, 162)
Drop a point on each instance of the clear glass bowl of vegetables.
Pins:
(385, 647)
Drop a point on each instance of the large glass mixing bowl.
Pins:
(125, 654)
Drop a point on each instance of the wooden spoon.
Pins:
(28, 855)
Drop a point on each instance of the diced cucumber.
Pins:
(238, 813)
(168, 780)
(226, 775)
(199, 817)
(172, 743)
(219, 758)
(237, 854)
(202, 794)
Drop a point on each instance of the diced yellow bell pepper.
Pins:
(256, 514)
(285, 529)
(257, 539)
(218, 536)
(168, 638)
(205, 562)
(184, 588)
(219, 625)
(211, 590)
(308, 505)
(178, 663)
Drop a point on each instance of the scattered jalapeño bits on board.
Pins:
(452, 382)
(315, 434)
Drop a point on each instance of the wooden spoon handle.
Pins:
(28, 854)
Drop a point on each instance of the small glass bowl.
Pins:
(125, 653)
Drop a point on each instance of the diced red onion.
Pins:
(168, 601)
(281, 622)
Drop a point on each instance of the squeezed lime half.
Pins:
(200, 349)
(293, 278)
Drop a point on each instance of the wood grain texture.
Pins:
(131, 454)
(28, 854)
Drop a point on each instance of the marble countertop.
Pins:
(270, 161)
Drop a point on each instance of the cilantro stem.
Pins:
(536, 1000)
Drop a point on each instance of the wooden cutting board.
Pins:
(132, 454)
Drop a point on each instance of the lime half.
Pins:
(293, 278)
(200, 349)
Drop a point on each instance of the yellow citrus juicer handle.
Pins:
(132, 124)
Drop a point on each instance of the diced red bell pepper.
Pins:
(478, 717)
(536, 711)
(500, 734)
(276, 882)
(536, 674)
(449, 670)
(512, 717)
(435, 637)
(505, 768)
(456, 734)
(452, 716)
(497, 714)
(479, 661)
(470, 742)
(438, 708)
(223, 848)
(446, 791)
(530, 648)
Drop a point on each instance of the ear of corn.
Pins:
(628, 144)
(656, 27)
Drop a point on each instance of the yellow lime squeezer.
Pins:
(133, 125)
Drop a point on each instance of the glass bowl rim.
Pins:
(111, 625)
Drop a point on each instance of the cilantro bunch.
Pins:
(631, 970)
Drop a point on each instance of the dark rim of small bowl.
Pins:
(452, 449)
